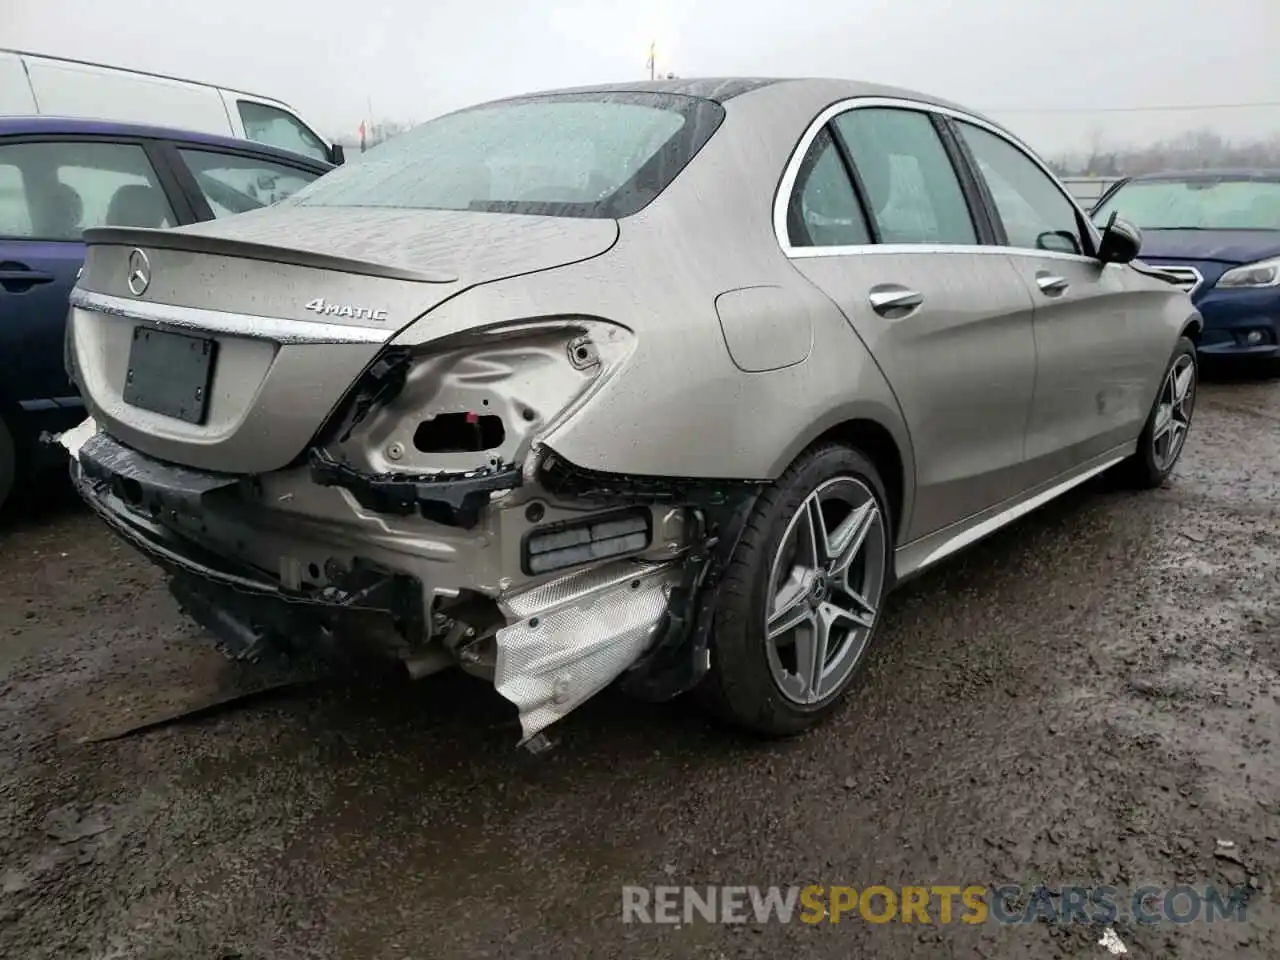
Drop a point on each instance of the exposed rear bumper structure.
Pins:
(547, 642)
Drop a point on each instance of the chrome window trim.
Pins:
(198, 320)
(791, 172)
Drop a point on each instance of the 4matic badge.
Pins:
(321, 306)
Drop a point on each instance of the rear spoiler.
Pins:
(167, 239)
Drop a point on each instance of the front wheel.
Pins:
(1165, 432)
(801, 597)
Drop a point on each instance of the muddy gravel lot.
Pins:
(1088, 698)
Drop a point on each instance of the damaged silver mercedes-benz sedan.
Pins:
(664, 384)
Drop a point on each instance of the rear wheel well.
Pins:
(877, 444)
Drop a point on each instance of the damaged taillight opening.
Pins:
(436, 429)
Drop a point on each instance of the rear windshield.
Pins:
(600, 155)
(1200, 204)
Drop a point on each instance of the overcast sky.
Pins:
(1040, 66)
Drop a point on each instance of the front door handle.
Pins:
(1051, 285)
(892, 298)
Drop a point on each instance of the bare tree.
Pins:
(1191, 150)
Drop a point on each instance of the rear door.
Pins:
(884, 222)
(1093, 347)
(51, 190)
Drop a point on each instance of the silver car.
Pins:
(660, 383)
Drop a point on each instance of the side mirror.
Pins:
(337, 155)
(1121, 241)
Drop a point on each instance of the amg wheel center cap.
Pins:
(820, 590)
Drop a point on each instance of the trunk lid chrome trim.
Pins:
(231, 324)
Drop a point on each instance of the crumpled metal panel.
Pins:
(576, 635)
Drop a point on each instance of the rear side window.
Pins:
(824, 210)
(279, 128)
(55, 191)
(601, 155)
(910, 183)
(232, 183)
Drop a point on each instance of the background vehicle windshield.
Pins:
(591, 155)
(1196, 204)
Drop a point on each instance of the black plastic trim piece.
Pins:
(977, 193)
(155, 486)
(172, 553)
(451, 498)
(380, 383)
(681, 656)
(564, 479)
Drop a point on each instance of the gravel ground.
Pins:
(1089, 697)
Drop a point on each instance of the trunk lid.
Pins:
(287, 306)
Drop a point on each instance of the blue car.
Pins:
(1217, 233)
(59, 177)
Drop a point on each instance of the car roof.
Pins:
(809, 92)
(79, 126)
(721, 89)
(1224, 173)
(718, 89)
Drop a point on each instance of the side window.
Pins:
(233, 184)
(824, 210)
(912, 187)
(55, 191)
(1036, 214)
(277, 127)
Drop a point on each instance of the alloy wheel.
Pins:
(825, 586)
(1173, 411)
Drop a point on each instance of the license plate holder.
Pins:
(170, 373)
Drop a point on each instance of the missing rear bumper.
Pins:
(637, 610)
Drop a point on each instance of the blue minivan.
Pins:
(59, 177)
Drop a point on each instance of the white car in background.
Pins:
(33, 84)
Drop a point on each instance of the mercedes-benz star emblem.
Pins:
(139, 273)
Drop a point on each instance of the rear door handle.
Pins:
(892, 298)
(1051, 285)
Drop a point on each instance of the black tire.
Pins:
(1142, 470)
(8, 463)
(739, 688)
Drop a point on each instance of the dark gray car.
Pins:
(668, 382)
